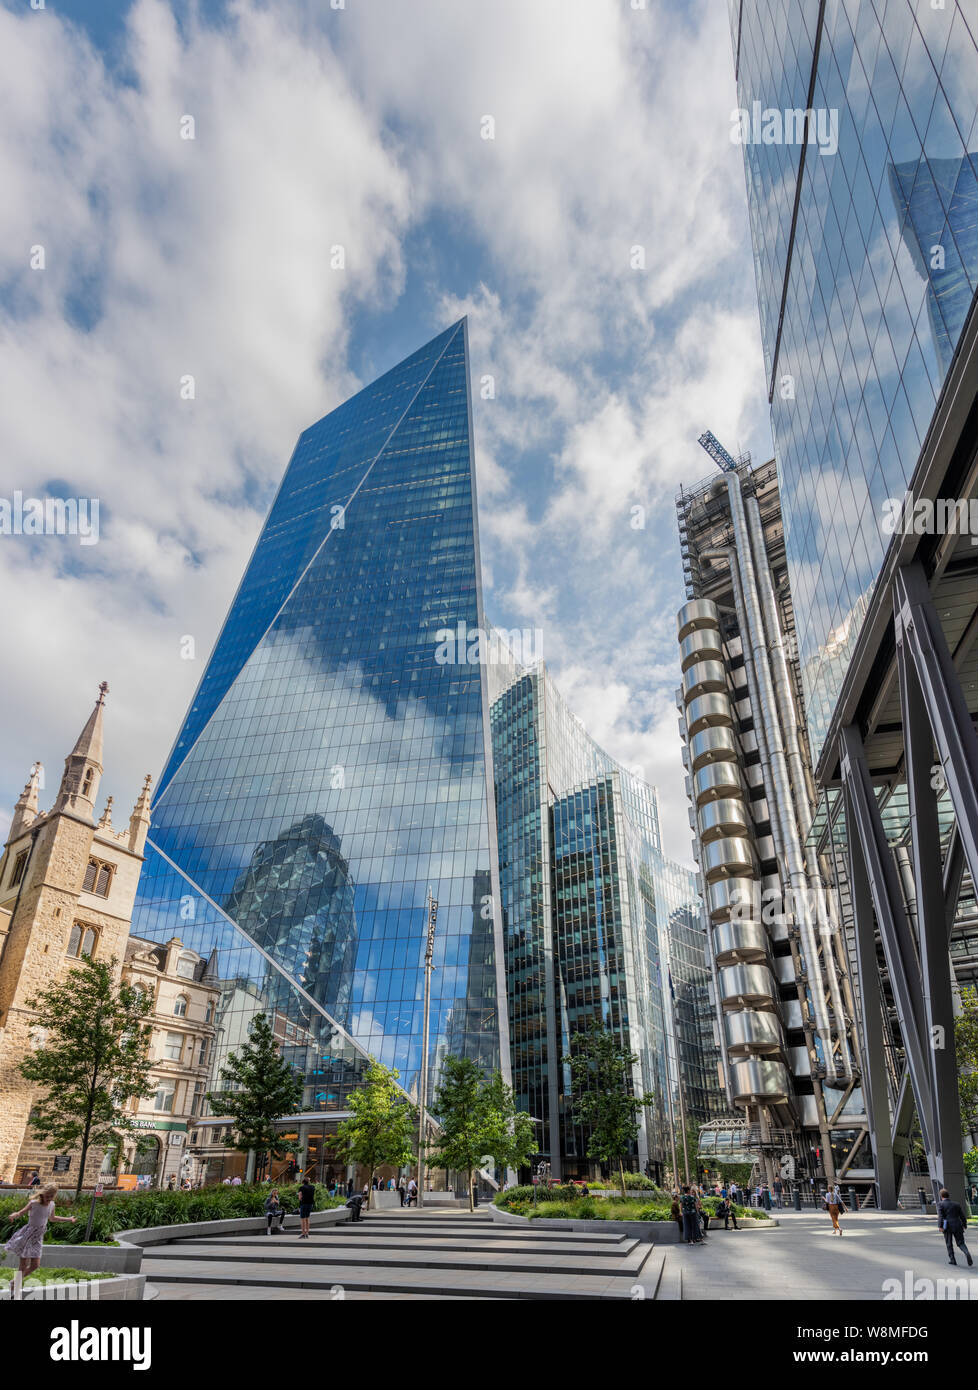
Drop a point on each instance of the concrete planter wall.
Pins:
(124, 1258)
(240, 1225)
(660, 1232)
(128, 1288)
(643, 1230)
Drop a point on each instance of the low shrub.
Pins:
(634, 1182)
(56, 1276)
(513, 1197)
(131, 1211)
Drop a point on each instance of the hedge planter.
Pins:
(659, 1232)
(641, 1230)
(241, 1225)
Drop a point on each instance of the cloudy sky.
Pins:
(598, 242)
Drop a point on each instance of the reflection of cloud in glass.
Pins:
(937, 200)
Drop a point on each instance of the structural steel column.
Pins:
(947, 1167)
(943, 698)
(875, 862)
(875, 1084)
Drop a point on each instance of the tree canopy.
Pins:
(260, 1088)
(382, 1128)
(601, 1098)
(92, 1058)
(478, 1121)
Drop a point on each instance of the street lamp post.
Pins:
(432, 916)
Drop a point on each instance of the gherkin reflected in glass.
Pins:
(295, 900)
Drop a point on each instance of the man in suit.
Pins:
(952, 1222)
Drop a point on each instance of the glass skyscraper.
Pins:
(598, 926)
(866, 259)
(332, 765)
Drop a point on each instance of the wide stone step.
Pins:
(530, 1261)
(485, 1226)
(355, 1241)
(340, 1279)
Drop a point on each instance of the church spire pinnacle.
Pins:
(139, 820)
(25, 812)
(83, 765)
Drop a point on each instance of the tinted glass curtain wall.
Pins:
(595, 921)
(866, 256)
(333, 764)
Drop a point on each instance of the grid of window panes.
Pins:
(588, 934)
(882, 274)
(685, 991)
(524, 873)
(335, 766)
(547, 766)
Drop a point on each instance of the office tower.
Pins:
(866, 261)
(779, 965)
(334, 763)
(598, 926)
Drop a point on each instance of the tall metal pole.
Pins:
(432, 917)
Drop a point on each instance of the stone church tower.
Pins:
(67, 886)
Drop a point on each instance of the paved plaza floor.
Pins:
(454, 1255)
(802, 1259)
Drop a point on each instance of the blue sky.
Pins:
(362, 127)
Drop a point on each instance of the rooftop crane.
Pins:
(717, 452)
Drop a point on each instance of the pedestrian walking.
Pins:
(834, 1205)
(777, 1192)
(402, 1190)
(952, 1222)
(691, 1223)
(274, 1214)
(307, 1199)
(28, 1242)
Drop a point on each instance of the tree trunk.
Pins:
(621, 1173)
(370, 1187)
(84, 1150)
(471, 1194)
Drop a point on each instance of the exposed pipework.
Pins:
(798, 779)
(780, 799)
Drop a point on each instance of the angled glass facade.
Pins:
(598, 925)
(866, 257)
(333, 765)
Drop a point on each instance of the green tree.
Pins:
(92, 1056)
(600, 1097)
(382, 1127)
(261, 1088)
(966, 1048)
(478, 1121)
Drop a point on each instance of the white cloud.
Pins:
(208, 257)
(317, 128)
